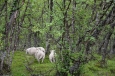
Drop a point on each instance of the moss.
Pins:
(17, 67)
(20, 60)
(45, 68)
(92, 68)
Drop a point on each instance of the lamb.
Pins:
(39, 55)
(52, 56)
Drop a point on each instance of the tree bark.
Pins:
(48, 35)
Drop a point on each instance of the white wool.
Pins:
(52, 56)
(39, 55)
(31, 51)
(41, 48)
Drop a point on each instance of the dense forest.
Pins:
(80, 31)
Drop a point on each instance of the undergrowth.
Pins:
(93, 68)
(26, 65)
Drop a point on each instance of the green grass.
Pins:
(93, 68)
(18, 64)
(21, 60)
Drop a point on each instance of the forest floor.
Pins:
(26, 65)
(97, 68)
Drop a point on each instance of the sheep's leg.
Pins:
(53, 59)
(50, 60)
(38, 60)
(42, 60)
(26, 52)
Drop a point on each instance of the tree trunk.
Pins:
(48, 35)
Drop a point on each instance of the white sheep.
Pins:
(41, 48)
(39, 55)
(31, 51)
(52, 56)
